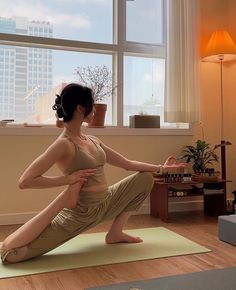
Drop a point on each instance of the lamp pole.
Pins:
(222, 142)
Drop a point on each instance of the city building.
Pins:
(25, 72)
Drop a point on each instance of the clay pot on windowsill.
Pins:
(59, 124)
(99, 116)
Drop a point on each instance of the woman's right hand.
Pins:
(80, 176)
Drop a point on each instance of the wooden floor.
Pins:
(193, 225)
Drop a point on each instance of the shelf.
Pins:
(214, 201)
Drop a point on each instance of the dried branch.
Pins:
(98, 78)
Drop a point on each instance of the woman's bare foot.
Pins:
(121, 238)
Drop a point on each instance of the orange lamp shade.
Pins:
(220, 47)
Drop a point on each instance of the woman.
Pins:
(86, 200)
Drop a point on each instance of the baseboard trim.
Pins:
(16, 218)
(21, 218)
(179, 206)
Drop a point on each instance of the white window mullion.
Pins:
(121, 26)
(54, 43)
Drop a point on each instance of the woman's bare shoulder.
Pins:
(62, 143)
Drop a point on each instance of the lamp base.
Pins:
(223, 144)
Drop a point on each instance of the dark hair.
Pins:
(71, 96)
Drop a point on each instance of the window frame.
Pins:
(117, 50)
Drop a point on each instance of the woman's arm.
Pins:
(33, 176)
(116, 159)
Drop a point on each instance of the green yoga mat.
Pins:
(88, 250)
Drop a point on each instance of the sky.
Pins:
(72, 19)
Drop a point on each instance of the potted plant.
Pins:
(99, 79)
(200, 155)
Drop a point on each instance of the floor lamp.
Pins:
(221, 48)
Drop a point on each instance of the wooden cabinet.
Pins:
(214, 196)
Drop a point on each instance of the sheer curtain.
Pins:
(182, 62)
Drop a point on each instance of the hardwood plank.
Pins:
(193, 225)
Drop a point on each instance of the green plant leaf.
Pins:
(200, 155)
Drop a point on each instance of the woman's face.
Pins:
(90, 116)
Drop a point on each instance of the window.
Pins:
(144, 23)
(59, 36)
(143, 87)
(38, 93)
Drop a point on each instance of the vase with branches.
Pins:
(99, 79)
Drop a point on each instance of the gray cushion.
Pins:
(227, 228)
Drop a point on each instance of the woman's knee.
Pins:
(146, 179)
(13, 255)
(16, 255)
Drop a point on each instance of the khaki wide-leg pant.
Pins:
(124, 196)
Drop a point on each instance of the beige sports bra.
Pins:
(84, 160)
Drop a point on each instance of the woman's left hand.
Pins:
(171, 162)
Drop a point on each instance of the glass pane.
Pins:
(144, 22)
(73, 19)
(144, 87)
(30, 78)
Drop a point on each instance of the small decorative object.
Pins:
(3, 123)
(99, 79)
(144, 121)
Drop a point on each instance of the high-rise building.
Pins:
(25, 72)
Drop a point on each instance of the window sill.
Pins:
(108, 131)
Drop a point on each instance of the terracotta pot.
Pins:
(59, 124)
(99, 116)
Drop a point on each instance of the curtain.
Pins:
(182, 102)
